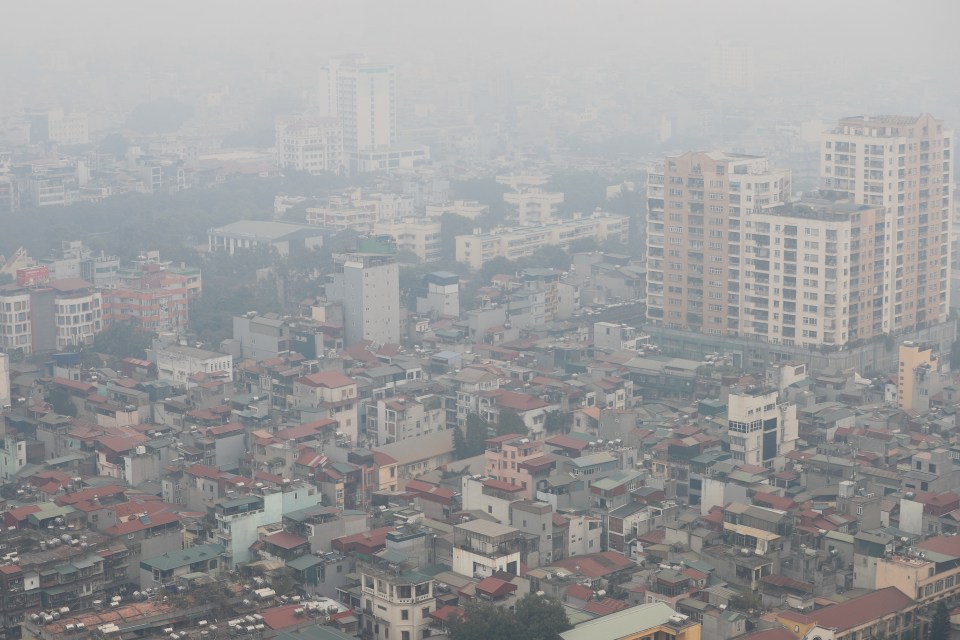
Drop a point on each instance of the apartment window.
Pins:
(404, 614)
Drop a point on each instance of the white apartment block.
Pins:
(16, 326)
(312, 145)
(78, 316)
(533, 206)
(761, 429)
(402, 417)
(420, 236)
(512, 243)
(68, 128)
(368, 285)
(63, 313)
(178, 363)
(469, 209)
(442, 295)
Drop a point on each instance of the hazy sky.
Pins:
(922, 27)
(879, 46)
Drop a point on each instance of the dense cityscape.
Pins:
(393, 340)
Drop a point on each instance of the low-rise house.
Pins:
(164, 570)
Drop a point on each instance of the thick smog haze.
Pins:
(490, 320)
(822, 53)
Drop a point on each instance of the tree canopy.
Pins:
(122, 340)
(940, 624)
(160, 115)
(509, 421)
(473, 442)
(61, 402)
(534, 618)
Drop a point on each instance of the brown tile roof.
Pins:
(605, 607)
(862, 610)
(596, 565)
(285, 540)
(579, 592)
(495, 587)
(327, 379)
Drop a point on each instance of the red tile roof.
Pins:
(75, 385)
(945, 545)
(223, 429)
(538, 463)
(139, 524)
(500, 485)
(311, 459)
(579, 592)
(516, 401)
(495, 587)
(566, 442)
(606, 606)
(861, 610)
(285, 540)
(305, 430)
(368, 540)
(383, 460)
(282, 617)
(444, 613)
(327, 379)
(203, 471)
(89, 494)
(596, 565)
(431, 492)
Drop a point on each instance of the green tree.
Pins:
(540, 618)
(583, 191)
(451, 226)
(549, 257)
(283, 582)
(122, 340)
(477, 433)
(940, 625)
(161, 115)
(583, 245)
(61, 402)
(534, 618)
(115, 144)
(485, 191)
(460, 447)
(508, 422)
(557, 421)
(955, 356)
(484, 621)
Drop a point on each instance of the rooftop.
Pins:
(622, 623)
(486, 528)
(184, 558)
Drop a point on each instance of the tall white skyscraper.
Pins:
(363, 96)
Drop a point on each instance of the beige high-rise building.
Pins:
(902, 164)
(918, 368)
(698, 206)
